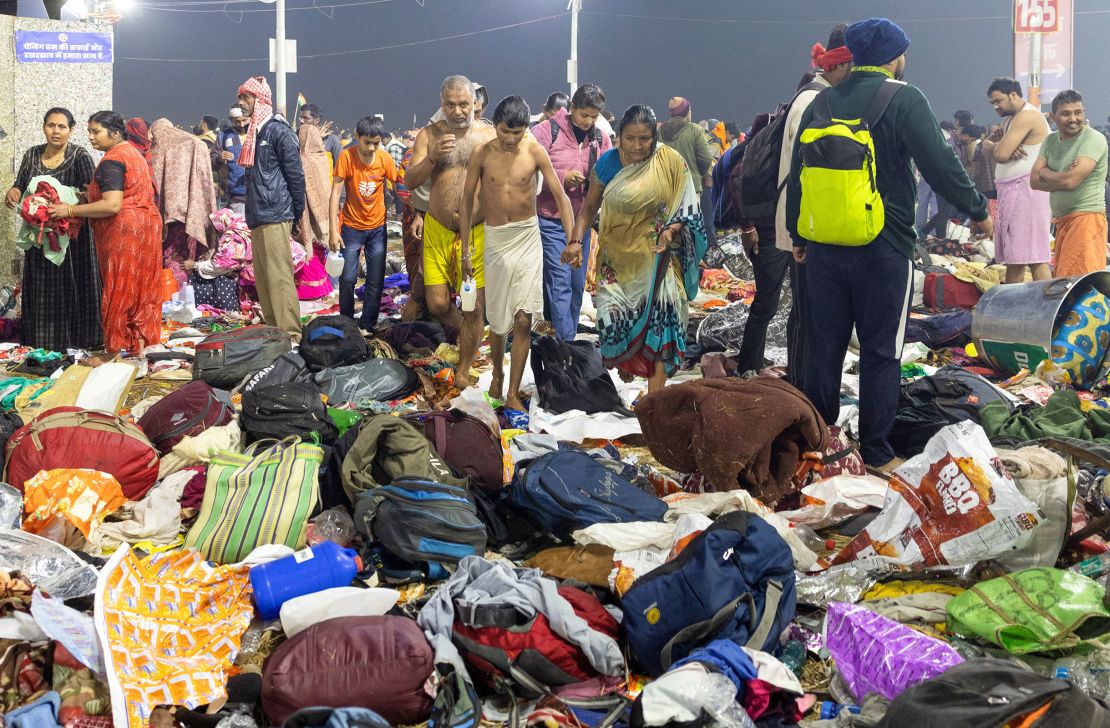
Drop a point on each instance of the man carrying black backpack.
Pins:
(765, 237)
(850, 211)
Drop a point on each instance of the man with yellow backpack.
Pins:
(850, 211)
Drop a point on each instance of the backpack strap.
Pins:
(554, 132)
(699, 630)
(880, 101)
(326, 331)
(767, 621)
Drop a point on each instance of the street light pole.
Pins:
(572, 65)
(279, 62)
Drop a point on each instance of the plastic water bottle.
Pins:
(830, 710)
(190, 296)
(1093, 567)
(309, 570)
(334, 263)
(469, 294)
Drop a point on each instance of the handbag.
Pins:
(262, 496)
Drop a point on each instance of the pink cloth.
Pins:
(257, 87)
(565, 155)
(182, 170)
(1021, 232)
(312, 281)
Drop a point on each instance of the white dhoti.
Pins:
(514, 273)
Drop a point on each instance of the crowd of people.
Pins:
(523, 208)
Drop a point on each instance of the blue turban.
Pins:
(875, 41)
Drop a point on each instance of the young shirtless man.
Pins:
(441, 153)
(506, 169)
(1022, 233)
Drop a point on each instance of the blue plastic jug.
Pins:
(308, 571)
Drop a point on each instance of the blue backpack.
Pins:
(568, 490)
(734, 581)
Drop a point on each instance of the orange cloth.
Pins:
(1029, 719)
(719, 132)
(82, 497)
(1080, 243)
(129, 251)
(365, 208)
(171, 626)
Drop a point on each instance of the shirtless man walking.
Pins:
(1022, 230)
(441, 154)
(506, 169)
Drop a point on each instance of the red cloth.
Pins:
(138, 134)
(257, 87)
(129, 250)
(35, 210)
(831, 58)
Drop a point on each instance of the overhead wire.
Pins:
(331, 54)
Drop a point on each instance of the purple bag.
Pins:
(877, 655)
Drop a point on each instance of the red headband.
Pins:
(829, 59)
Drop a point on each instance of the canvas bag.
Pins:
(378, 379)
(226, 358)
(262, 496)
(568, 490)
(421, 520)
(466, 444)
(570, 376)
(1009, 612)
(735, 580)
(991, 693)
(333, 341)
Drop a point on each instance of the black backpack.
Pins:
(287, 368)
(570, 376)
(282, 410)
(333, 341)
(759, 169)
(990, 693)
(925, 406)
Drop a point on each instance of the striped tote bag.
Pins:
(261, 496)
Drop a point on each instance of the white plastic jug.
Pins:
(334, 263)
(469, 295)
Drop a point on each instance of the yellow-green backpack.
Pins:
(841, 204)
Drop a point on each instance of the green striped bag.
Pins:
(262, 496)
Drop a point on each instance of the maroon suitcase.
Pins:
(184, 413)
(380, 663)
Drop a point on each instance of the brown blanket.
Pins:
(738, 433)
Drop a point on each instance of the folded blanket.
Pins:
(738, 433)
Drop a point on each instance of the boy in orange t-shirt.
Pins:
(362, 170)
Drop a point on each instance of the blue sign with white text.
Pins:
(47, 46)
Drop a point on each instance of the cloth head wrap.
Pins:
(678, 106)
(827, 60)
(875, 41)
(257, 87)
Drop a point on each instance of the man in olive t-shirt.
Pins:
(1072, 168)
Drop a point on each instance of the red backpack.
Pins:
(70, 437)
(530, 657)
(184, 413)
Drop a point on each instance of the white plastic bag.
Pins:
(954, 504)
(302, 612)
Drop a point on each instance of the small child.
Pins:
(506, 166)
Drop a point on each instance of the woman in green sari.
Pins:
(651, 240)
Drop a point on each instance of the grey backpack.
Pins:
(377, 379)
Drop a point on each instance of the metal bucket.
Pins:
(1013, 324)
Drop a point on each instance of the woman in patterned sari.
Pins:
(61, 302)
(128, 232)
(651, 240)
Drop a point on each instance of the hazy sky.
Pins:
(732, 59)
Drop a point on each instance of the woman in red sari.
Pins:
(127, 230)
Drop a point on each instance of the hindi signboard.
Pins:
(41, 46)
